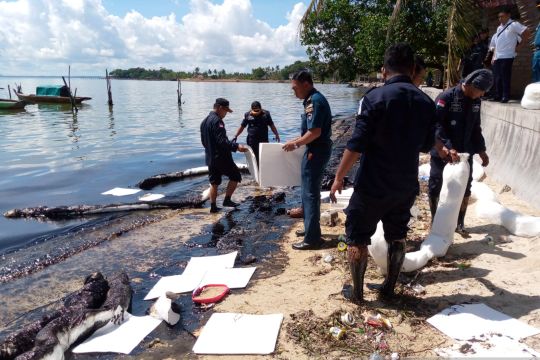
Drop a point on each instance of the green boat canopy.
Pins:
(52, 90)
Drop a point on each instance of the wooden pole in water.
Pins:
(73, 106)
(179, 93)
(9, 90)
(109, 93)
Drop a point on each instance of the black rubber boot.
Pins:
(358, 267)
(214, 208)
(460, 228)
(433, 203)
(229, 203)
(396, 256)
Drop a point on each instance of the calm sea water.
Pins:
(51, 157)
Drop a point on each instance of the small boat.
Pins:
(51, 94)
(7, 104)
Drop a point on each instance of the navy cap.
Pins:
(481, 79)
(223, 102)
(255, 105)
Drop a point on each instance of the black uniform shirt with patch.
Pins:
(257, 126)
(217, 146)
(394, 123)
(458, 122)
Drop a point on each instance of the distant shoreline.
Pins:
(185, 80)
(225, 80)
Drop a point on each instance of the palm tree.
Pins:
(461, 24)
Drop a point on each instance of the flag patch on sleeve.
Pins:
(441, 103)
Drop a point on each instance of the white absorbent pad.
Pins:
(468, 321)
(231, 333)
(278, 167)
(121, 338)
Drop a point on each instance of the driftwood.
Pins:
(67, 212)
(99, 301)
(162, 179)
(75, 211)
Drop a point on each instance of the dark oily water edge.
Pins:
(253, 229)
(58, 245)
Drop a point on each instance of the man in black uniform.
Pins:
(257, 121)
(394, 123)
(218, 148)
(458, 128)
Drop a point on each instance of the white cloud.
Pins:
(40, 37)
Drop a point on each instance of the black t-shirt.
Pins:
(394, 123)
(257, 126)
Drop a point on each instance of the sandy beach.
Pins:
(308, 292)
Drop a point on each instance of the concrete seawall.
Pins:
(512, 137)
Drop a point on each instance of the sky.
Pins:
(43, 37)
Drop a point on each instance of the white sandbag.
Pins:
(489, 208)
(480, 191)
(379, 248)
(455, 178)
(205, 194)
(531, 97)
(441, 236)
(417, 259)
(477, 171)
(514, 222)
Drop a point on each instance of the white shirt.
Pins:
(505, 43)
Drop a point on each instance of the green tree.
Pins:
(330, 36)
(350, 37)
(258, 73)
(441, 30)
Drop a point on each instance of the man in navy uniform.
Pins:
(316, 133)
(257, 121)
(218, 148)
(458, 128)
(394, 123)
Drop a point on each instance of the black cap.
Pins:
(223, 102)
(255, 105)
(481, 79)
